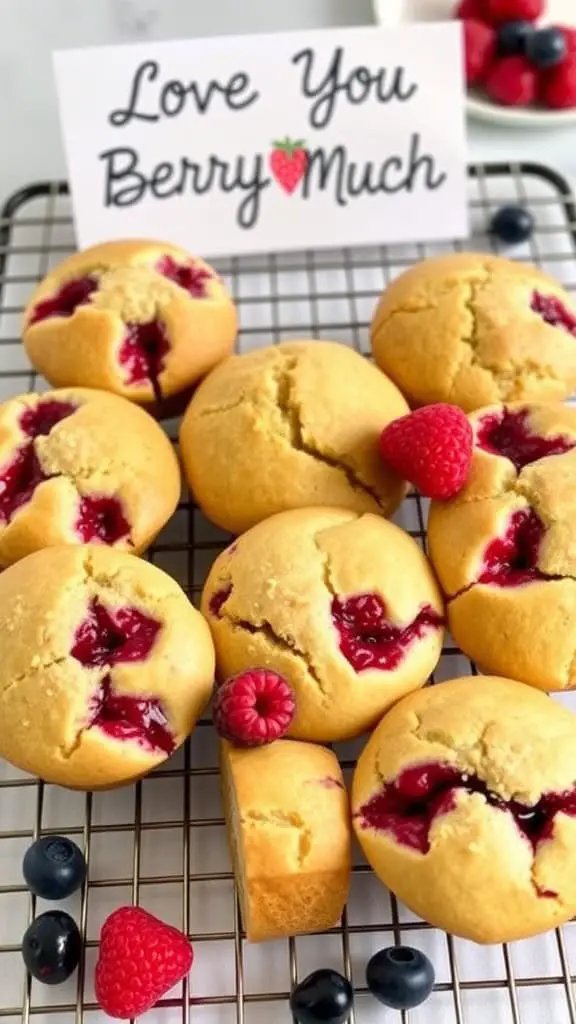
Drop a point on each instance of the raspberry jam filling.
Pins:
(553, 312)
(186, 275)
(101, 520)
(508, 433)
(512, 560)
(368, 640)
(66, 301)
(219, 598)
(123, 717)
(40, 420)
(142, 353)
(407, 807)
(18, 481)
(108, 637)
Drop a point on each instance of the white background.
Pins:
(371, 131)
(31, 29)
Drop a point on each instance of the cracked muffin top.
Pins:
(473, 330)
(504, 549)
(81, 466)
(107, 668)
(143, 319)
(464, 802)
(290, 426)
(344, 606)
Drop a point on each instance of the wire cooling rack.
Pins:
(162, 843)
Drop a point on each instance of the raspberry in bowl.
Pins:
(464, 803)
(107, 669)
(473, 329)
(143, 319)
(343, 607)
(80, 466)
(504, 548)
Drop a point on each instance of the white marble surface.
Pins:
(30, 145)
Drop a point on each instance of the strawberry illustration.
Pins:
(288, 163)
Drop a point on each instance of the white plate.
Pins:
(394, 12)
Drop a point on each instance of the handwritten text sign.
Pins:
(266, 143)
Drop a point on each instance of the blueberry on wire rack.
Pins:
(400, 977)
(512, 225)
(324, 997)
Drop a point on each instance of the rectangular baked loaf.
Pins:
(288, 822)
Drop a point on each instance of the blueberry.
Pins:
(512, 224)
(546, 47)
(400, 977)
(54, 868)
(324, 997)
(512, 38)
(51, 947)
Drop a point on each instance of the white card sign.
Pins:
(267, 143)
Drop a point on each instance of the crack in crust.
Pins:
(508, 381)
(475, 758)
(286, 645)
(282, 819)
(290, 410)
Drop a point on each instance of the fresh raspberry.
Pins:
(253, 708)
(479, 49)
(474, 9)
(140, 960)
(558, 85)
(512, 82)
(432, 448)
(501, 11)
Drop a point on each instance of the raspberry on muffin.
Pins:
(143, 319)
(105, 669)
(344, 607)
(473, 329)
(81, 466)
(504, 549)
(464, 803)
(290, 426)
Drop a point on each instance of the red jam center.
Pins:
(143, 352)
(407, 807)
(508, 433)
(101, 520)
(368, 640)
(18, 481)
(39, 420)
(554, 312)
(219, 598)
(511, 560)
(139, 719)
(109, 637)
(189, 277)
(23, 473)
(144, 346)
(66, 301)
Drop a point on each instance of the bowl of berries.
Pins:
(520, 55)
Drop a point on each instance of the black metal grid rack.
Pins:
(162, 842)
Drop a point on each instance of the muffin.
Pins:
(504, 549)
(290, 426)
(464, 803)
(143, 319)
(105, 666)
(344, 607)
(81, 466)
(474, 330)
(288, 822)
